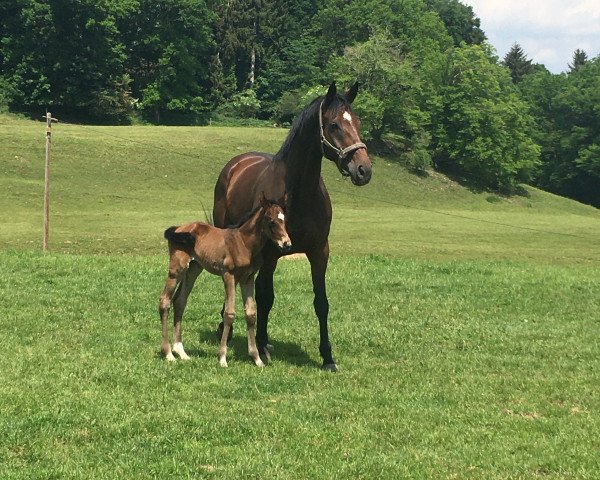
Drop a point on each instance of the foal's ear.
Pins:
(351, 94)
(282, 202)
(331, 93)
(263, 200)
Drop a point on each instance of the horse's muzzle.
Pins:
(361, 176)
(285, 247)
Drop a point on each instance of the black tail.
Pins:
(185, 239)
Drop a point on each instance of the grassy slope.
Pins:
(112, 184)
(455, 362)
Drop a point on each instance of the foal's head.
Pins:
(273, 223)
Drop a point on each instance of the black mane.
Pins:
(304, 119)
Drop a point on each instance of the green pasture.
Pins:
(466, 325)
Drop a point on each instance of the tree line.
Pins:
(432, 88)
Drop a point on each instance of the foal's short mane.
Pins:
(247, 216)
(304, 117)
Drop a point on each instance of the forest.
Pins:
(434, 92)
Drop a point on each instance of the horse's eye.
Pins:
(271, 223)
(334, 126)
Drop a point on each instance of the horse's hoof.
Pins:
(259, 363)
(170, 357)
(265, 353)
(223, 363)
(329, 367)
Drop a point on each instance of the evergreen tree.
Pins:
(579, 59)
(517, 62)
(245, 32)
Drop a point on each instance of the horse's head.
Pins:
(340, 139)
(273, 222)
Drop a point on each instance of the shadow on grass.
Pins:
(238, 348)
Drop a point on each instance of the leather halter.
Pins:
(342, 152)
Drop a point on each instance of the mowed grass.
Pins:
(465, 325)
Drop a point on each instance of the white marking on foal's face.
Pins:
(347, 116)
(281, 216)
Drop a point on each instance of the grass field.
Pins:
(466, 325)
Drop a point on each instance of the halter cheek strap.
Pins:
(342, 152)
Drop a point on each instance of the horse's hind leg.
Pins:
(228, 316)
(250, 313)
(180, 302)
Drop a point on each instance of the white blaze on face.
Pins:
(348, 117)
(281, 216)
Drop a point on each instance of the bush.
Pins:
(241, 105)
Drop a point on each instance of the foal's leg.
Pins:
(265, 297)
(176, 270)
(180, 302)
(228, 315)
(318, 266)
(250, 313)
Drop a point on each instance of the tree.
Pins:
(460, 21)
(169, 47)
(517, 63)
(568, 130)
(483, 128)
(390, 101)
(66, 55)
(579, 60)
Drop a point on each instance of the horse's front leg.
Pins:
(265, 297)
(250, 312)
(228, 315)
(318, 266)
(180, 302)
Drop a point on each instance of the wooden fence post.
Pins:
(49, 120)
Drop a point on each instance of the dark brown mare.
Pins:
(235, 254)
(327, 127)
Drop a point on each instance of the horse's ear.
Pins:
(331, 93)
(351, 94)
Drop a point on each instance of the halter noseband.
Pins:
(342, 152)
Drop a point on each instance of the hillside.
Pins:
(114, 190)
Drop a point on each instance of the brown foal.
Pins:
(235, 254)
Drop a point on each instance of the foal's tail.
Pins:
(185, 239)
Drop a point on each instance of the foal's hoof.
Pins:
(329, 367)
(178, 349)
